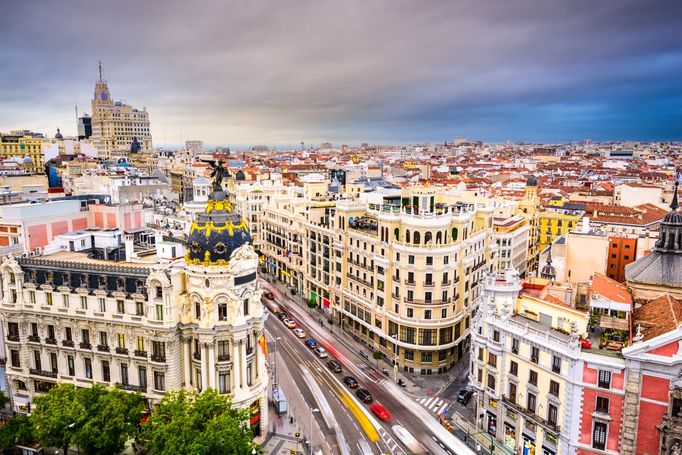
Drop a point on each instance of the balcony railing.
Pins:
(428, 302)
(131, 387)
(67, 343)
(410, 282)
(551, 426)
(429, 284)
(12, 337)
(103, 348)
(121, 350)
(51, 340)
(360, 280)
(47, 374)
(140, 353)
(224, 358)
(85, 345)
(197, 355)
(34, 338)
(158, 358)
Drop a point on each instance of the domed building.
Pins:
(660, 271)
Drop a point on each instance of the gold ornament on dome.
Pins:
(209, 227)
(356, 159)
(218, 206)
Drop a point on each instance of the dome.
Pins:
(673, 217)
(58, 135)
(532, 181)
(216, 233)
(27, 160)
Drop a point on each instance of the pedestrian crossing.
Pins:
(434, 404)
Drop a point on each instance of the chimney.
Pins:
(130, 248)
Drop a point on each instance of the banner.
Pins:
(313, 298)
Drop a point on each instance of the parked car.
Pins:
(289, 323)
(464, 396)
(585, 344)
(321, 352)
(282, 316)
(350, 381)
(380, 412)
(364, 395)
(269, 295)
(299, 333)
(312, 344)
(334, 366)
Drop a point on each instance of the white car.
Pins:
(299, 333)
(289, 323)
(321, 352)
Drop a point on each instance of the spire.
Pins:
(100, 71)
(674, 205)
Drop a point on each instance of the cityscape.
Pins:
(378, 228)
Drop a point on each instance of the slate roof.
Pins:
(656, 268)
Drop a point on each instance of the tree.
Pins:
(377, 356)
(4, 400)
(98, 420)
(17, 430)
(198, 423)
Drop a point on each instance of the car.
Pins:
(469, 387)
(350, 381)
(312, 344)
(464, 396)
(269, 295)
(380, 412)
(334, 366)
(585, 344)
(299, 333)
(321, 352)
(289, 323)
(364, 395)
(282, 316)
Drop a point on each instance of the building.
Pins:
(197, 147)
(147, 325)
(556, 222)
(26, 146)
(511, 236)
(84, 127)
(529, 208)
(117, 128)
(632, 194)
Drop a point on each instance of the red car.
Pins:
(380, 412)
(585, 344)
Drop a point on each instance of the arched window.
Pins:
(439, 238)
(427, 238)
(396, 233)
(417, 238)
(407, 236)
(454, 234)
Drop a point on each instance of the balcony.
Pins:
(12, 337)
(131, 387)
(85, 345)
(158, 358)
(446, 283)
(550, 426)
(410, 282)
(360, 280)
(123, 351)
(224, 358)
(51, 341)
(34, 338)
(249, 350)
(140, 353)
(428, 302)
(47, 374)
(197, 355)
(429, 284)
(67, 343)
(103, 348)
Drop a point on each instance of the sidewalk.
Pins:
(418, 386)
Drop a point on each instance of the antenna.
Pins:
(100, 70)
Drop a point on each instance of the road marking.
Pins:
(430, 400)
(445, 406)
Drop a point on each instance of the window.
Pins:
(552, 415)
(49, 298)
(140, 343)
(106, 373)
(480, 354)
(246, 307)
(85, 335)
(427, 314)
(159, 312)
(224, 382)
(492, 359)
(32, 296)
(556, 364)
(16, 362)
(84, 302)
(554, 388)
(159, 349)
(13, 329)
(444, 313)
(512, 392)
(530, 403)
(602, 405)
(533, 377)
(429, 260)
(65, 300)
(159, 292)
(514, 368)
(87, 363)
(491, 382)
(426, 357)
(599, 436)
(197, 310)
(142, 374)
(410, 312)
(71, 365)
(121, 341)
(480, 375)
(139, 308)
(103, 305)
(534, 354)
(428, 296)
(103, 339)
(159, 381)
(68, 335)
(120, 306)
(50, 332)
(34, 329)
(124, 374)
(515, 345)
(604, 379)
(445, 260)
(410, 259)
(222, 312)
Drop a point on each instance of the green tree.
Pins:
(56, 416)
(17, 430)
(198, 423)
(377, 356)
(4, 400)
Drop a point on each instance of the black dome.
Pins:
(58, 135)
(532, 181)
(216, 233)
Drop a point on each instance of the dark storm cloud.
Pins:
(378, 71)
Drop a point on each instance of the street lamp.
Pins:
(311, 429)
(274, 383)
(395, 357)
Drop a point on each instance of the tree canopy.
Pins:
(98, 420)
(198, 423)
(17, 430)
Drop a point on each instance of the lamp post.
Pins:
(311, 429)
(395, 357)
(274, 383)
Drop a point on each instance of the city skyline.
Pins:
(382, 73)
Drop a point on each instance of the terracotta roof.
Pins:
(658, 316)
(611, 289)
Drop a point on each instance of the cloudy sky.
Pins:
(281, 72)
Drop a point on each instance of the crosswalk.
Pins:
(392, 445)
(434, 404)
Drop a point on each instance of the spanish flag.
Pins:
(263, 344)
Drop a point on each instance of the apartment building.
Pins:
(529, 208)
(511, 236)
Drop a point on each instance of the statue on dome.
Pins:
(218, 173)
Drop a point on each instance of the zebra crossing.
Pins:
(434, 404)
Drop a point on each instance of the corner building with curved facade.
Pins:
(186, 324)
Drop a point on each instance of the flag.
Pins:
(287, 253)
(263, 344)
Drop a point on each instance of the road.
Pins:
(354, 419)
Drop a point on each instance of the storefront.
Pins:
(255, 418)
(492, 423)
(509, 436)
(528, 445)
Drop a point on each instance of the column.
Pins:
(211, 365)
(236, 367)
(258, 360)
(187, 362)
(242, 367)
(204, 373)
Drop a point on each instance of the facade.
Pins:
(529, 208)
(511, 236)
(145, 327)
(116, 126)
(633, 194)
(554, 223)
(25, 146)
